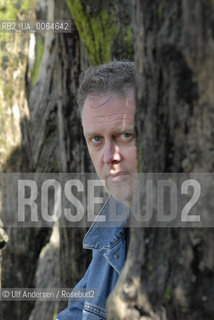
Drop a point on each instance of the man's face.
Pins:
(108, 125)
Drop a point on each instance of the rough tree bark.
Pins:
(14, 115)
(52, 110)
(169, 273)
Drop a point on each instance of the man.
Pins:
(106, 101)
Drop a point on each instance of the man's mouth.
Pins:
(117, 176)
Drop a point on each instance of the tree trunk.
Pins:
(169, 272)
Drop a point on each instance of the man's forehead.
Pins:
(97, 101)
(108, 112)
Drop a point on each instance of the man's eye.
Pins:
(126, 136)
(96, 139)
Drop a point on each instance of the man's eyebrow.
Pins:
(124, 129)
(119, 130)
(91, 133)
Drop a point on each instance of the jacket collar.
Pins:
(106, 234)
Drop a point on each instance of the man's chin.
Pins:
(121, 190)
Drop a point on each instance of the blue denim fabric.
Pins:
(109, 247)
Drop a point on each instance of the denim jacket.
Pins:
(109, 247)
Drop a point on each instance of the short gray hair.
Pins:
(113, 77)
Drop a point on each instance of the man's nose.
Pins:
(111, 154)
